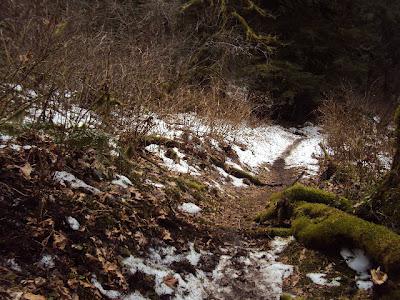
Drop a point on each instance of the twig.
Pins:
(10, 187)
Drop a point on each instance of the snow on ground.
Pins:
(13, 265)
(122, 181)
(181, 167)
(238, 182)
(319, 278)
(357, 260)
(63, 177)
(239, 271)
(47, 261)
(73, 223)
(304, 155)
(189, 208)
(155, 184)
(263, 144)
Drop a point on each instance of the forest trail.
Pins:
(247, 278)
(238, 211)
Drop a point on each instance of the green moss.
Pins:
(322, 227)
(267, 214)
(280, 204)
(299, 192)
(187, 184)
(286, 297)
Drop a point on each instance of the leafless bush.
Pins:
(358, 141)
(116, 61)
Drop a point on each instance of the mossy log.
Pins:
(322, 227)
(318, 219)
(281, 204)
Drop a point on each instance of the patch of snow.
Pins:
(385, 160)
(155, 184)
(192, 256)
(264, 144)
(47, 261)
(16, 87)
(73, 223)
(364, 284)
(13, 265)
(258, 270)
(122, 181)
(357, 260)
(305, 153)
(189, 208)
(377, 119)
(63, 177)
(215, 144)
(136, 264)
(135, 296)
(238, 182)
(5, 138)
(319, 278)
(114, 153)
(111, 294)
(233, 164)
(181, 167)
(15, 147)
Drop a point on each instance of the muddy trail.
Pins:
(251, 268)
(262, 267)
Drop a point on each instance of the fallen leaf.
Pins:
(167, 235)
(378, 277)
(30, 296)
(140, 238)
(170, 281)
(60, 241)
(26, 170)
(39, 281)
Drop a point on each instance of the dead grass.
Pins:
(358, 141)
(120, 62)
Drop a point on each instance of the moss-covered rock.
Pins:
(322, 227)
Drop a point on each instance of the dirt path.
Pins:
(231, 223)
(238, 207)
